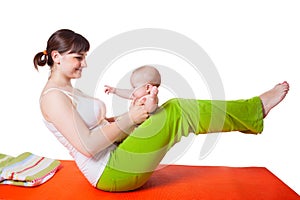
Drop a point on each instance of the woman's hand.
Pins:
(138, 113)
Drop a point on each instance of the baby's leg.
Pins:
(151, 104)
(150, 101)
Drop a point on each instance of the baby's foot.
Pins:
(153, 91)
(273, 97)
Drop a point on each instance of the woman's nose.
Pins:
(83, 63)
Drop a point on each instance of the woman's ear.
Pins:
(55, 57)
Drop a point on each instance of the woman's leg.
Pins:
(132, 163)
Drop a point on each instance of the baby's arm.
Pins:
(124, 93)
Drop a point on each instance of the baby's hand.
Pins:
(108, 89)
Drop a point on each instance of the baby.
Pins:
(145, 81)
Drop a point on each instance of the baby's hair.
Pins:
(149, 75)
(63, 40)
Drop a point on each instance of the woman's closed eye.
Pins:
(79, 58)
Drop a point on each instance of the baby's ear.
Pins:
(142, 101)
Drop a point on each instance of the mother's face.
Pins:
(71, 64)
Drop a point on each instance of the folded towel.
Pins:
(26, 169)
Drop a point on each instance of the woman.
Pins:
(80, 124)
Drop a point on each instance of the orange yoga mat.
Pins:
(171, 182)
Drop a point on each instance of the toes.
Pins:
(285, 85)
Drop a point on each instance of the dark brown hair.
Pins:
(63, 41)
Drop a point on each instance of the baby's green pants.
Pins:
(134, 160)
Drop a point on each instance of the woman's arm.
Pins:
(58, 109)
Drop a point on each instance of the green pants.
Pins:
(134, 160)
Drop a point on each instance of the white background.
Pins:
(253, 44)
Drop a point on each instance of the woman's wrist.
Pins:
(125, 123)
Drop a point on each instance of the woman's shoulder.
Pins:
(51, 87)
(54, 94)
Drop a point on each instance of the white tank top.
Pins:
(91, 110)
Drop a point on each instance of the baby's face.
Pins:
(139, 91)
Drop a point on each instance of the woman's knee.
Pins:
(171, 103)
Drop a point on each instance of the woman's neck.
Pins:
(59, 81)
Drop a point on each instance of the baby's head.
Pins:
(143, 79)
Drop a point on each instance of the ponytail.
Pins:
(40, 59)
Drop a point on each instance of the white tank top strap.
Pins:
(55, 88)
(67, 93)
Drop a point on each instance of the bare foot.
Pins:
(154, 91)
(273, 97)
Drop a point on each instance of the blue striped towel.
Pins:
(26, 169)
